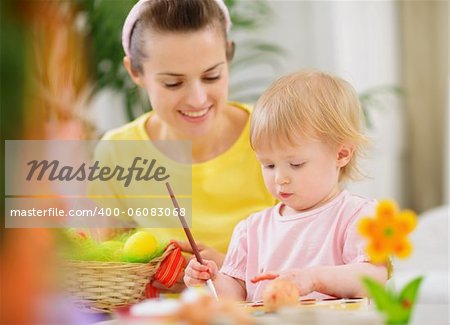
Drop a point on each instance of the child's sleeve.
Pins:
(235, 262)
(354, 249)
(355, 244)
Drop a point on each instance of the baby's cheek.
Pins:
(270, 184)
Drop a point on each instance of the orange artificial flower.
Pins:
(388, 231)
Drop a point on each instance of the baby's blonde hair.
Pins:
(311, 104)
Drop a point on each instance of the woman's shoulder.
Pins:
(238, 116)
(243, 106)
(134, 130)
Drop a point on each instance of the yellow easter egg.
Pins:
(140, 247)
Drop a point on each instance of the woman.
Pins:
(178, 51)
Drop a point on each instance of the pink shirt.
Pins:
(267, 241)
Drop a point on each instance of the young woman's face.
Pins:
(186, 78)
(304, 176)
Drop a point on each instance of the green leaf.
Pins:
(383, 298)
(249, 15)
(396, 308)
(371, 99)
(409, 292)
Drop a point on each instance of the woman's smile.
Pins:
(195, 115)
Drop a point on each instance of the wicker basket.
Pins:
(104, 286)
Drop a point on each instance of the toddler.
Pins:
(306, 132)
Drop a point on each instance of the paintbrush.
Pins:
(194, 247)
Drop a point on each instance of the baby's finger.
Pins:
(197, 279)
(198, 267)
(199, 275)
(191, 281)
(193, 263)
(211, 268)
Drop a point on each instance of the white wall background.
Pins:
(108, 110)
(358, 41)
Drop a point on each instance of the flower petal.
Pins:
(386, 210)
(403, 248)
(366, 227)
(406, 222)
(377, 252)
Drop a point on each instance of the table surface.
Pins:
(424, 314)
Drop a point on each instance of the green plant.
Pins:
(387, 234)
(104, 20)
(371, 99)
(396, 307)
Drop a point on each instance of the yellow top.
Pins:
(225, 190)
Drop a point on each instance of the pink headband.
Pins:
(135, 13)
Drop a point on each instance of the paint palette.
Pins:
(331, 303)
(336, 311)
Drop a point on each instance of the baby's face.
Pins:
(303, 176)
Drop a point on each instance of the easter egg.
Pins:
(280, 293)
(140, 247)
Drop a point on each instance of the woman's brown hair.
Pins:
(175, 16)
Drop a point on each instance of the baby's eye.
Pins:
(295, 165)
(269, 166)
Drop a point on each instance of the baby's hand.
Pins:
(303, 278)
(197, 273)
